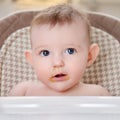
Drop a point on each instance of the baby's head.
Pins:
(61, 49)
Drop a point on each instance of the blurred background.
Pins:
(111, 7)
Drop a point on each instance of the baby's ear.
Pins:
(28, 56)
(93, 53)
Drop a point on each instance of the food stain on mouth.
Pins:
(59, 77)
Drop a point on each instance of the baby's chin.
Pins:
(62, 88)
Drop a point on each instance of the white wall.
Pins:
(111, 7)
(6, 7)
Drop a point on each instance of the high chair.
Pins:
(14, 40)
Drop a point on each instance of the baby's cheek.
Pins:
(42, 74)
(78, 73)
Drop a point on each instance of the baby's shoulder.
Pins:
(98, 89)
(20, 88)
(24, 85)
(95, 90)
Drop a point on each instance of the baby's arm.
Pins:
(19, 90)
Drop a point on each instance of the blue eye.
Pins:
(70, 50)
(44, 53)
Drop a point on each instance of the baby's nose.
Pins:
(58, 61)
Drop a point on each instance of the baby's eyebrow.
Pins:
(75, 45)
(41, 46)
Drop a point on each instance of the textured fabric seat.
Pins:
(15, 40)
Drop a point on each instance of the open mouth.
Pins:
(59, 77)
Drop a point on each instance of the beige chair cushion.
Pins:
(105, 71)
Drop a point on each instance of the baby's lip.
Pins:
(59, 77)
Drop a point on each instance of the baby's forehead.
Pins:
(72, 30)
(69, 29)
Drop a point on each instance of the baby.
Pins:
(61, 51)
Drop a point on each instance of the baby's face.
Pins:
(59, 54)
